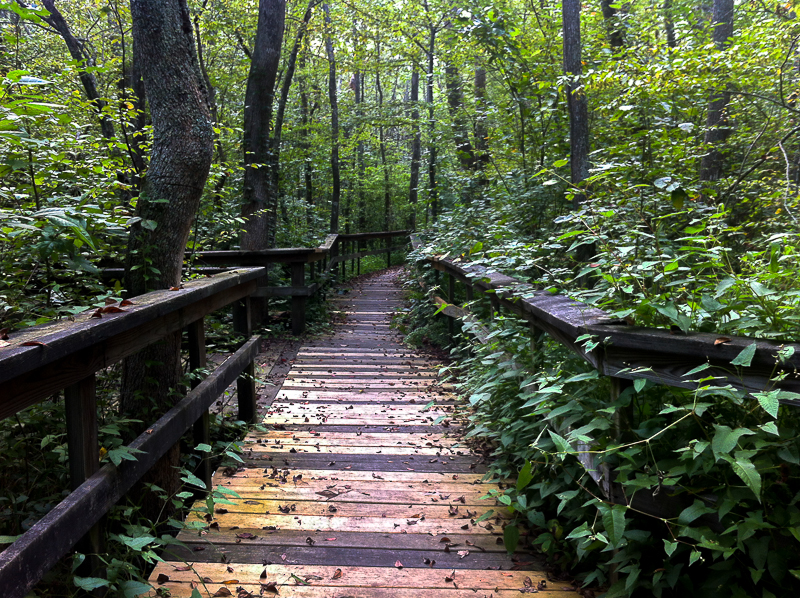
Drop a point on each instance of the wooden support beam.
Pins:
(246, 383)
(197, 360)
(298, 301)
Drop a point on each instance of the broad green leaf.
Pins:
(769, 401)
(90, 583)
(745, 358)
(725, 439)
(131, 588)
(203, 447)
(745, 469)
(192, 479)
(669, 547)
(562, 445)
(511, 538)
(525, 476)
(614, 522)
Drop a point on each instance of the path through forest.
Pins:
(356, 490)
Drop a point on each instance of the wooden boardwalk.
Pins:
(355, 490)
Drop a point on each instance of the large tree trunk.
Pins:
(88, 80)
(717, 129)
(387, 198)
(182, 150)
(334, 100)
(361, 214)
(259, 207)
(305, 118)
(669, 24)
(577, 102)
(416, 150)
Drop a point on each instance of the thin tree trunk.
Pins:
(416, 150)
(616, 36)
(433, 195)
(717, 129)
(305, 118)
(481, 132)
(284, 97)
(387, 198)
(88, 80)
(259, 207)
(358, 88)
(577, 102)
(455, 104)
(334, 101)
(669, 24)
(180, 158)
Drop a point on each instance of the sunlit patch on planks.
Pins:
(356, 489)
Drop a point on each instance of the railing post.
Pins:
(388, 252)
(197, 359)
(80, 403)
(343, 252)
(246, 384)
(298, 301)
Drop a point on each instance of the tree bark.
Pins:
(333, 97)
(481, 132)
(305, 118)
(577, 102)
(616, 36)
(416, 150)
(88, 80)
(180, 158)
(275, 153)
(455, 104)
(387, 197)
(361, 215)
(259, 207)
(717, 129)
(433, 192)
(669, 24)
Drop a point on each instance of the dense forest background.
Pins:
(642, 157)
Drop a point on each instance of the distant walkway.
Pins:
(355, 490)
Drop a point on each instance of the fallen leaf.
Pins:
(223, 591)
(271, 587)
(444, 539)
(125, 303)
(112, 309)
(33, 344)
(463, 553)
(162, 578)
(451, 577)
(337, 574)
(246, 536)
(4, 343)
(398, 564)
(97, 314)
(721, 340)
(4, 334)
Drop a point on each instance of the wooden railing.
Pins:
(624, 353)
(321, 261)
(39, 362)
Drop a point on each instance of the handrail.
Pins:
(632, 352)
(41, 360)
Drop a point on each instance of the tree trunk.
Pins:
(577, 103)
(332, 95)
(88, 80)
(669, 24)
(717, 129)
(305, 118)
(481, 132)
(416, 150)
(455, 104)
(616, 36)
(259, 207)
(361, 214)
(180, 158)
(275, 154)
(433, 195)
(387, 197)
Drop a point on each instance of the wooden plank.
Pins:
(405, 477)
(184, 590)
(292, 494)
(351, 577)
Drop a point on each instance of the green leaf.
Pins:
(192, 479)
(669, 547)
(476, 248)
(561, 443)
(639, 384)
(525, 476)
(8, 539)
(725, 439)
(131, 588)
(203, 447)
(137, 543)
(614, 522)
(745, 358)
(511, 538)
(90, 583)
(560, 163)
(745, 469)
(769, 401)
